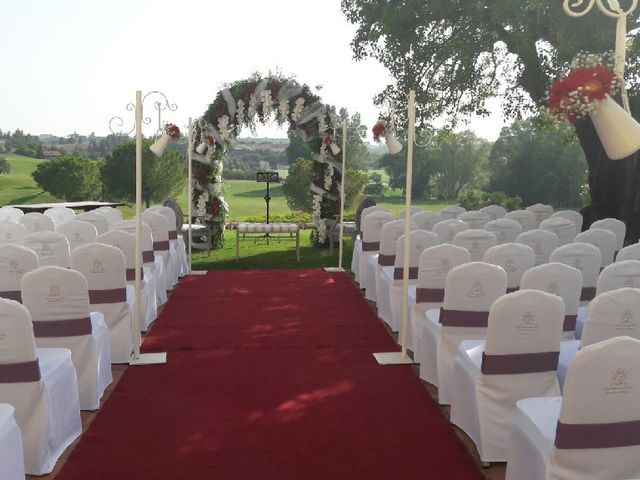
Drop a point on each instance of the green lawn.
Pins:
(18, 187)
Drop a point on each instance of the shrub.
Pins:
(5, 166)
(373, 189)
(375, 177)
(69, 178)
(473, 199)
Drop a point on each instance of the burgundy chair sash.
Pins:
(162, 246)
(113, 295)
(62, 328)
(597, 435)
(519, 363)
(512, 289)
(386, 260)
(12, 295)
(424, 295)
(398, 273)
(173, 234)
(370, 246)
(461, 318)
(131, 274)
(20, 372)
(147, 256)
(587, 294)
(569, 324)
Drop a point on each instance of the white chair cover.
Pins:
(357, 245)
(52, 248)
(97, 219)
(113, 214)
(541, 211)
(176, 242)
(618, 227)
(447, 229)
(161, 246)
(389, 235)
(104, 268)
(12, 232)
(505, 229)
(476, 241)
(78, 232)
(619, 275)
(470, 290)
(425, 220)
(605, 240)
(514, 258)
(60, 214)
(12, 214)
(452, 212)
(35, 222)
(563, 228)
(582, 435)
(58, 300)
(525, 218)
(542, 241)
(561, 280)
(42, 389)
(412, 209)
(15, 261)
(435, 264)
(586, 258)
(518, 360)
(572, 215)
(631, 252)
(475, 219)
(11, 456)
(494, 211)
(126, 242)
(371, 231)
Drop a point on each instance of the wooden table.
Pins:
(85, 206)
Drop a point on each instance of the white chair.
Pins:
(447, 229)
(357, 244)
(618, 227)
(435, 264)
(452, 212)
(605, 240)
(476, 241)
(525, 218)
(561, 280)
(494, 211)
(389, 235)
(589, 433)
(176, 242)
(12, 232)
(97, 219)
(542, 241)
(470, 290)
(505, 229)
(161, 247)
(12, 214)
(40, 383)
(78, 232)
(630, 252)
(541, 211)
(425, 220)
(52, 248)
(126, 242)
(514, 258)
(371, 231)
(518, 360)
(586, 258)
(60, 214)
(619, 275)
(475, 219)
(15, 261)
(563, 228)
(572, 215)
(11, 455)
(105, 270)
(611, 314)
(113, 214)
(35, 222)
(58, 301)
(413, 211)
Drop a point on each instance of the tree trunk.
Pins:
(614, 185)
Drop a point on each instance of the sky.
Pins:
(72, 65)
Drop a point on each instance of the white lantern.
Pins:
(160, 144)
(201, 148)
(619, 132)
(334, 148)
(393, 145)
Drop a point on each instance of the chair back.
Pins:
(514, 258)
(60, 214)
(17, 344)
(425, 220)
(146, 239)
(494, 211)
(586, 258)
(419, 241)
(475, 240)
(389, 235)
(630, 252)
(372, 228)
(525, 218)
(506, 230)
(15, 261)
(78, 232)
(572, 215)
(170, 217)
(12, 232)
(612, 314)
(177, 212)
(475, 219)
(11, 213)
(412, 209)
(126, 242)
(563, 228)
(447, 229)
(451, 212)
(541, 211)
(434, 266)
(542, 241)
(474, 286)
(97, 219)
(36, 222)
(618, 227)
(604, 239)
(619, 275)
(113, 214)
(52, 248)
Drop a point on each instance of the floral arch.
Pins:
(243, 104)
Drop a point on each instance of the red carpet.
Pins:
(270, 376)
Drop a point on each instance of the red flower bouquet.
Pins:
(379, 130)
(172, 130)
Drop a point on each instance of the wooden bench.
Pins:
(274, 230)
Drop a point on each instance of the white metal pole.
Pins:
(407, 222)
(189, 187)
(344, 175)
(138, 264)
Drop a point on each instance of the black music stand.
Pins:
(267, 177)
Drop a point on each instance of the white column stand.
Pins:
(343, 176)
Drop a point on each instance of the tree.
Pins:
(161, 177)
(297, 147)
(70, 178)
(423, 169)
(456, 55)
(5, 166)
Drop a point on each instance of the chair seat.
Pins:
(268, 227)
(195, 228)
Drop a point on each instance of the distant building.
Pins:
(49, 154)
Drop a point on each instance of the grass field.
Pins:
(18, 187)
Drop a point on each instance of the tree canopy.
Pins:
(69, 178)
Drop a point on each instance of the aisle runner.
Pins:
(270, 376)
